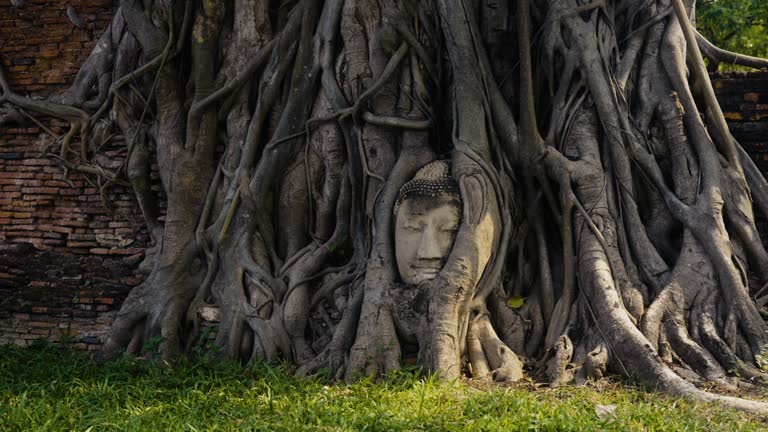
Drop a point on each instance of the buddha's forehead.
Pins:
(423, 205)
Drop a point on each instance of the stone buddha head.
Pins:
(427, 218)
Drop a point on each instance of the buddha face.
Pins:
(425, 229)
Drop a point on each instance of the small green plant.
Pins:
(151, 348)
(24, 305)
(762, 359)
(206, 343)
(41, 344)
(67, 336)
(8, 299)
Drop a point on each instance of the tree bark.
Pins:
(607, 218)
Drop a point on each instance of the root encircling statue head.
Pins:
(428, 214)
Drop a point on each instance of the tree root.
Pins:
(280, 194)
(718, 55)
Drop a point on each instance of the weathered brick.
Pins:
(73, 223)
(37, 162)
(23, 227)
(49, 54)
(25, 236)
(39, 190)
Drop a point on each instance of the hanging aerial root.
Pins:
(232, 85)
(717, 55)
(78, 118)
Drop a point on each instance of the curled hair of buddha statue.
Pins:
(432, 180)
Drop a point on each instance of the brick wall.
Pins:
(66, 260)
(41, 48)
(744, 100)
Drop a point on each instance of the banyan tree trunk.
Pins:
(607, 214)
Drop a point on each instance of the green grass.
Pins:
(45, 388)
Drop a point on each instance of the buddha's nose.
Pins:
(428, 247)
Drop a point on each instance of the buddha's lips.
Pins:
(427, 268)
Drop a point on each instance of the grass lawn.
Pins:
(46, 388)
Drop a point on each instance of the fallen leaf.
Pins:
(605, 412)
(515, 302)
